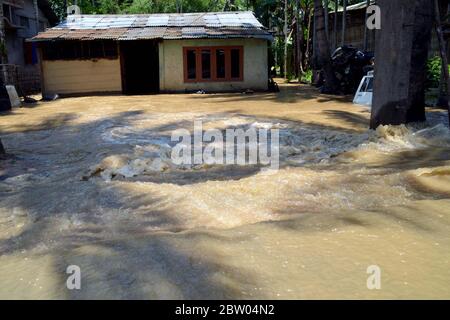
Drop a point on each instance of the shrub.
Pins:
(433, 72)
(306, 77)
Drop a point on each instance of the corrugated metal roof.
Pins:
(207, 19)
(158, 26)
(147, 33)
(357, 6)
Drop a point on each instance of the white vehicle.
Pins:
(365, 91)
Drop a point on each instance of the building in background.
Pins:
(23, 19)
(355, 30)
(138, 54)
(355, 27)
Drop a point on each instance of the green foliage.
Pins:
(140, 6)
(434, 66)
(306, 77)
(107, 7)
(150, 6)
(289, 77)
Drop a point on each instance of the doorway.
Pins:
(139, 66)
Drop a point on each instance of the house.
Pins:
(23, 19)
(355, 27)
(150, 53)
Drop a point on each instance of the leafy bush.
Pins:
(306, 77)
(434, 72)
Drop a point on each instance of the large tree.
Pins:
(401, 53)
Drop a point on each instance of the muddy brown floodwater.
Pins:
(81, 187)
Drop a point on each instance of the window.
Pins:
(203, 64)
(79, 50)
(235, 63)
(206, 64)
(220, 64)
(191, 64)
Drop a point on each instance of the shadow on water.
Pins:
(289, 94)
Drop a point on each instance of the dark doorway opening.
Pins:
(140, 67)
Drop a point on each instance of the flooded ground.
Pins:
(81, 187)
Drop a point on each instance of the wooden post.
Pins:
(443, 50)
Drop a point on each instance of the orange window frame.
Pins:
(213, 64)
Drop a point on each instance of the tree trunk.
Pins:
(443, 98)
(299, 41)
(325, 11)
(308, 39)
(2, 149)
(443, 50)
(400, 71)
(336, 8)
(3, 54)
(344, 22)
(286, 36)
(323, 50)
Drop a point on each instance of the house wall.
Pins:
(354, 33)
(81, 76)
(172, 69)
(28, 28)
(21, 25)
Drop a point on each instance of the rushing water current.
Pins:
(88, 182)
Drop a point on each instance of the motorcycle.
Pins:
(350, 65)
